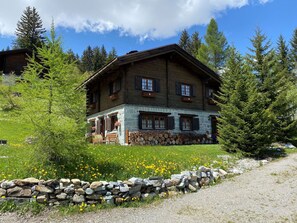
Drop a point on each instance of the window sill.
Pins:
(148, 94)
(186, 99)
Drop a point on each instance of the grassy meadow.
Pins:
(99, 162)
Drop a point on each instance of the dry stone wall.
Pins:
(75, 191)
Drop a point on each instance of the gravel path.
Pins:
(264, 194)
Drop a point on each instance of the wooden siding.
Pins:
(168, 70)
(13, 63)
(100, 88)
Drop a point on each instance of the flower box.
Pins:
(186, 99)
(148, 94)
(114, 96)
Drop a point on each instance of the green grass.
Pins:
(99, 162)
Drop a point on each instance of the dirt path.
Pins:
(265, 194)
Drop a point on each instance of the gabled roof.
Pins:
(142, 55)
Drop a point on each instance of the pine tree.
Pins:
(185, 41)
(216, 47)
(29, 31)
(282, 52)
(87, 60)
(53, 104)
(243, 120)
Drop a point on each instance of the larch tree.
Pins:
(53, 104)
(216, 47)
(29, 31)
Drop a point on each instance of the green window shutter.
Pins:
(178, 88)
(170, 121)
(138, 80)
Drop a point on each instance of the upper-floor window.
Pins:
(147, 84)
(210, 93)
(185, 90)
(114, 86)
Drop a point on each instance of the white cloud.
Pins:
(145, 19)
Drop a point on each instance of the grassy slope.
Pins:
(106, 162)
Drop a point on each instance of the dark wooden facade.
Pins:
(168, 67)
(14, 61)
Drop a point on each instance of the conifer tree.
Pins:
(195, 43)
(53, 104)
(243, 120)
(185, 41)
(29, 31)
(293, 54)
(216, 47)
(97, 60)
(87, 60)
(111, 55)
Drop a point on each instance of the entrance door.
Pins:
(214, 127)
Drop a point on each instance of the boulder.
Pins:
(80, 191)
(89, 191)
(41, 199)
(14, 192)
(2, 192)
(26, 181)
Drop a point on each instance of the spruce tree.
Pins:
(87, 60)
(185, 41)
(216, 47)
(111, 55)
(195, 43)
(243, 120)
(293, 54)
(97, 62)
(29, 31)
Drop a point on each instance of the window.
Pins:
(210, 93)
(115, 86)
(186, 123)
(160, 122)
(147, 122)
(185, 90)
(156, 121)
(189, 123)
(147, 84)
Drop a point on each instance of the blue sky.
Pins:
(140, 25)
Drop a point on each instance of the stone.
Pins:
(204, 181)
(61, 196)
(65, 182)
(109, 199)
(129, 183)
(136, 180)
(26, 181)
(192, 188)
(124, 188)
(76, 182)
(216, 175)
(168, 183)
(7, 184)
(163, 195)
(172, 188)
(148, 195)
(89, 191)
(119, 200)
(41, 199)
(14, 192)
(263, 162)
(80, 191)
(136, 195)
(43, 189)
(135, 189)
(222, 172)
(2, 192)
(78, 198)
(52, 183)
(69, 189)
(95, 185)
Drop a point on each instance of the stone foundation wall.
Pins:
(75, 191)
